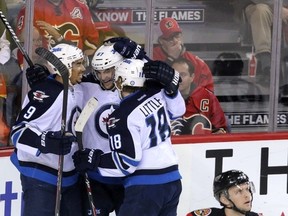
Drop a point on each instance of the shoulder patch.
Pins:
(111, 122)
(39, 95)
(202, 212)
(76, 13)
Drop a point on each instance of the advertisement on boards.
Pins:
(265, 162)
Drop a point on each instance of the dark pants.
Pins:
(151, 200)
(39, 198)
(107, 198)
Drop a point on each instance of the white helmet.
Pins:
(131, 71)
(67, 54)
(105, 57)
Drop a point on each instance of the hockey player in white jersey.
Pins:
(39, 141)
(107, 192)
(140, 141)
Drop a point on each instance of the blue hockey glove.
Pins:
(87, 159)
(127, 48)
(56, 143)
(164, 74)
(36, 74)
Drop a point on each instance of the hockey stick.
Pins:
(79, 126)
(15, 39)
(63, 70)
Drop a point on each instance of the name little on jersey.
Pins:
(150, 106)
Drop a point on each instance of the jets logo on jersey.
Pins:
(39, 96)
(202, 212)
(102, 117)
(112, 122)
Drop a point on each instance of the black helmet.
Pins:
(228, 179)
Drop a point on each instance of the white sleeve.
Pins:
(175, 105)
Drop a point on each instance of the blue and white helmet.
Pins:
(67, 54)
(131, 72)
(105, 57)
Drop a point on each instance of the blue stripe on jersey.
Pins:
(129, 161)
(15, 137)
(42, 175)
(117, 161)
(152, 179)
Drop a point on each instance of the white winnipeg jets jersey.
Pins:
(140, 139)
(42, 111)
(95, 132)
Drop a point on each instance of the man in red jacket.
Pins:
(204, 114)
(59, 20)
(171, 47)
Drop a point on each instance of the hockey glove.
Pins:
(164, 74)
(127, 48)
(87, 159)
(36, 74)
(56, 143)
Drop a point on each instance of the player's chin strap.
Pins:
(235, 208)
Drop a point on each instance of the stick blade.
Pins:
(89, 108)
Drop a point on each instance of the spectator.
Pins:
(39, 141)
(10, 90)
(171, 47)
(233, 190)
(57, 20)
(140, 143)
(4, 129)
(259, 16)
(204, 114)
(37, 41)
(16, 87)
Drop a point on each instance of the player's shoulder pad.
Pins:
(45, 91)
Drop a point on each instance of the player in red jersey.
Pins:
(57, 20)
(234, 191)
(171, 47)
(204, 114)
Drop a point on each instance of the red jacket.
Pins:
(71, 18)
(203, 75)
(204, 114)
